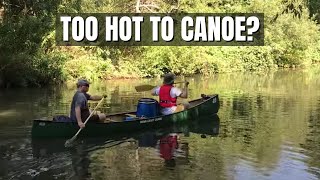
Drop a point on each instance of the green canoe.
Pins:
(203, 126)
(204, 106)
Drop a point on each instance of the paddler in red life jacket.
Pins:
(168, 95)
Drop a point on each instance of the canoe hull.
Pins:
(47, 129)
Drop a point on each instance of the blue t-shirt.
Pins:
(80, 99)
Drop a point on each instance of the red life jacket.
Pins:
(164, 97)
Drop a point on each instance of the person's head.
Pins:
(169, 78)
(83, 85)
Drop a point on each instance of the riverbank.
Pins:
(315, 69)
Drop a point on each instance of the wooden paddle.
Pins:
(148, 87)
(69, 142)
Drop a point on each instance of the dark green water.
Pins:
(268, 127)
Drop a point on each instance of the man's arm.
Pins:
(154, 91)
(95, 98)
(78, 116)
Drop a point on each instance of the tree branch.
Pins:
(138, 6)
(175, 7)
(149, 9)
(150, 5)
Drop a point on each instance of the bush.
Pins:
(29, 56)
(291, 39)
(91, 69)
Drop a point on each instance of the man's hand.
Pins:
(81, 125)
(78, 116)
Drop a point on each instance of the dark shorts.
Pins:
(93, 118)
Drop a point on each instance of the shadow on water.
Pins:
(79, 159)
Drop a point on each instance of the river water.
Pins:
(268, 127)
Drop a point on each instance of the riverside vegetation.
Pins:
(29, 56)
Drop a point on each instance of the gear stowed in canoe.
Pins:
(128, 121)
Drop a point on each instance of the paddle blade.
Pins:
(145, 87)
(69, 142)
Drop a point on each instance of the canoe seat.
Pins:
(130, 115)
(109, 120)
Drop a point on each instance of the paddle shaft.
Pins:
(147, 87)
(173, 83)
(180, 82)
(88, 117)
(177, 83)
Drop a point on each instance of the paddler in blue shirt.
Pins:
(79, 107)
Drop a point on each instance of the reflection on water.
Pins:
(168, 148)
(152, 153)
(268, 128)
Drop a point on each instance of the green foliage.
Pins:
(313, 53)
(292, 39)
(91, 68)
(29, 56)
(127, 69)
(314, 7)
(37, 70)
(23, 59)
(47, 68)
(179, 60)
